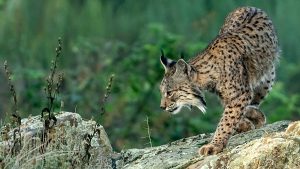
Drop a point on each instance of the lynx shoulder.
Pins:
(238, 65)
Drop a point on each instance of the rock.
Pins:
(277, 150)
(72, 142)
(69, 143)
(267, 147)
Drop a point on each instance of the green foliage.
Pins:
(125, 38)
(288, 104)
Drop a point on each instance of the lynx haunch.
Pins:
(238, 65)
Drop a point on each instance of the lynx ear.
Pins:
(166, 62)
(182, 67)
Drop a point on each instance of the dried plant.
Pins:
(11, 86)
(107, 93)
(15, 117)
(148, 137)
(148, 131)
(51, 90)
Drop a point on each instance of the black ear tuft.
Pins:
(166, 62)
(163, 59)
(162, 52)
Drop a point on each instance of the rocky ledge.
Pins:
(275, 146)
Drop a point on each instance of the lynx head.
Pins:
(177, 89)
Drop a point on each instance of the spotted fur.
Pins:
(238, 65)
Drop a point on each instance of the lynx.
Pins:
(238, 65)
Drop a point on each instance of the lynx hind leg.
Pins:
(256, 116)
(263, 88)
(244, 125)
(253, 119)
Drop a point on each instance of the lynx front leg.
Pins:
(232, 114)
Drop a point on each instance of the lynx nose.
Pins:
(163, 107)
(163, 104)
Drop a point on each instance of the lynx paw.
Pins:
(244, 125)
(210, 149)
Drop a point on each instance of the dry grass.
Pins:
(65, 148)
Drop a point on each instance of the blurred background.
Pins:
(124, 37)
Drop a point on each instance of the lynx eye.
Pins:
(169, 94)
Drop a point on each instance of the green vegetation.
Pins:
(124, 38)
